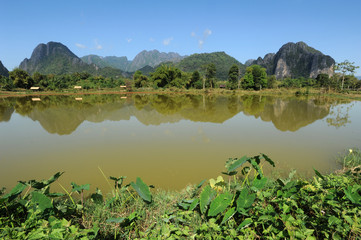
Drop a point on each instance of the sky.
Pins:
(243, 29)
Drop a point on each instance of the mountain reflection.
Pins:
(63, 114)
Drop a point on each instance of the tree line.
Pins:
(169, 76)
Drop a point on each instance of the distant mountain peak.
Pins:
(3, 70)
(56, 58)
(296, 60)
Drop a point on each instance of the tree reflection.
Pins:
(63, 114)
(339, 116)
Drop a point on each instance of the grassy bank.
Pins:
(355, 95)
(243, 204)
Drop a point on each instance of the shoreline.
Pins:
(268, 92)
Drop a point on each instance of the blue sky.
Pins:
(243, 29)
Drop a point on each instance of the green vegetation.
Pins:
(345, 67)
(170, 76)
(247, 205)
(199, 62)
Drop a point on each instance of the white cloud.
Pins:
(129, 40)
(151, 39)
(202, 40)
(207, 33)
(167, 41)
(97, 45)
(79, 45)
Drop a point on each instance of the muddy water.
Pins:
(169, 141)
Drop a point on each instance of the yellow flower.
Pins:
(350, 150)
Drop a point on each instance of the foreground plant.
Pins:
(247, 205)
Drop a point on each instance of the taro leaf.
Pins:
(245, 200)
(245, 223)
(44, 183)
(97, 197)
(237, 164)
(41, 200)
(205, 198)
(79, 188)
(228, 215)
(193, 205)
(16, 191)
(219, 204)
(258, 184)
(280, 182)
(142, 189)
(268, 159)
(230, 173)
(185, 204)
(319, 174)
(195, 191)
(255, 164)
(353, 196)
(200, 184)
(116, 220)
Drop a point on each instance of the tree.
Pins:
(323, 80)
(166, 76)
(140, 80)
(20, 78)
(211, 74)
(195, 80)
(247, 80)
(255, 77)
(233, 76)
(271, 81)
(344, 68)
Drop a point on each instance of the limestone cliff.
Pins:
(296, 60)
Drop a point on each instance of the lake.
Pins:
(169, 140)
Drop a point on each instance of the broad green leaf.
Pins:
(353, 196)
(97, 197)
(228, 215)
(246, 222)
(319, 174)
(237, 164)
(255, 165)
(245, 200)
(41, 200)
(194, 204)
(334, 220)
(205, 198)
(44, 183)
(79, 188)
(200, 184)
(219, 204)
(16, 191)
(259, 183)
(142, 189)
(268, 159)
(115, 220)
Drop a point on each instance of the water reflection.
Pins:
(64, 114)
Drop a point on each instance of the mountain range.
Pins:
(291, 60)
(142, 59)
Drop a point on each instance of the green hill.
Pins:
(222, 61)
